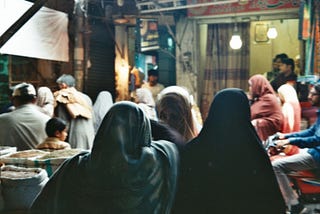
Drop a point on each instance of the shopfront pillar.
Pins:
(121, 63)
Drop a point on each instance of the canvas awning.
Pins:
(44, 35)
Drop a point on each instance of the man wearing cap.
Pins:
(24, 127)
(153, 84)
(304, 160)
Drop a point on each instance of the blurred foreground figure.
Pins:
(226, 169)
(126, 172)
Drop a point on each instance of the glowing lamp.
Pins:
(235, 42)
(272, 33)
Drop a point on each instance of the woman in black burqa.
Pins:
(126, 172)
(226, 169)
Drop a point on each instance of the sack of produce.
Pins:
(53, 160)
(50, 161)
(21, 158)
(21, 185)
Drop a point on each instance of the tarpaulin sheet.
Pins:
(44, 36)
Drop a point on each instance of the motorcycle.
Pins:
(306, 182)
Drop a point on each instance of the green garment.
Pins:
(126, 172)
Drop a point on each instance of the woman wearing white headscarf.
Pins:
(45, 100)
(100, 108)
(145, 100)
(126, 172)
(291, 111)
(174, 107)
(290, 108)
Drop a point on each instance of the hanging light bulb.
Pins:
(120, 3)
(235, 42)
(272, 33)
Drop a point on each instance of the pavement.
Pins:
(314, 208)
(311, 209)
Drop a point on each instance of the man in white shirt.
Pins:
(153, 84)
(24, 127)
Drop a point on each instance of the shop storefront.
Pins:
(216, 65)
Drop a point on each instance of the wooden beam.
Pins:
(21, 21)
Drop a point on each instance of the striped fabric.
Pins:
(225, 67)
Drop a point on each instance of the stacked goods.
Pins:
(33, 153)
(50, 161)
(7, 149)
(64, 153)
(20, 186)
(21, 158)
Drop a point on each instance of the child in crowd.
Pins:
(56, 130)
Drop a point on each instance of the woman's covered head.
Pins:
(125, 128)
(287, 93)
(175, 110)
(144, 95)
(259, 86)
(230, 109)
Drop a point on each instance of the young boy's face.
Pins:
(62, 135)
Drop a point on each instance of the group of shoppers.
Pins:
(304, 160)
(129, 172)
(126, 171)
(269, 118)
(137, 167)
(24, 127)
(165, 163)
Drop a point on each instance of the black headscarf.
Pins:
(226, 169)
(126, 172)
(162, 131)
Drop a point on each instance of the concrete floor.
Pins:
(314, 208)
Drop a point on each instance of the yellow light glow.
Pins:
(122, 78)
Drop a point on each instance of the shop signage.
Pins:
(148, 36)
(243, 6)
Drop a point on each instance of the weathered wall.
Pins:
(187, 56)
(262, 53)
